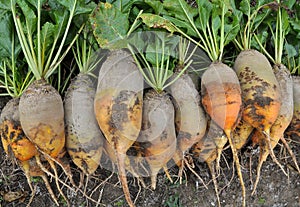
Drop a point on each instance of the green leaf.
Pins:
(57, 12)
(47, 36)
(289, 3)
(156, 5)
(154, 49)
(185, 26)
(177, 9)
(81, 6)
(125, 5)
(137, 39)
(155, 21)
(109, 24)
(216, 22)
(151, 55)
(262, 38)
(245, 7)
(7, 36)
(285, 21)
(232, 26)
(4, 7)
(30, 17)
(35, 3)
(290, 50)
(204, 10)
(296, 25)
(67, 3)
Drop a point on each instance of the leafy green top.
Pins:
(214, 23)
(14, 76)
(43, 28)
(152, 51)
(86, 52)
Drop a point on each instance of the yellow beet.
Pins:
(118, 107)
(42, 117)
(260, 89)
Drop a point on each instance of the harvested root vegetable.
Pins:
(260, 90)
(12, 135)
(15, 141)
(221, 98)
(43, 123)
(283, 120)
(221, 95)
(41, 107)
(118, 107)
(158, 136)
(190, 119)
(209, 149)
(241, 134)
(84, 140)
(287, 92)
(32, 169)
(132, 163)
(294, 128)
(220, 88)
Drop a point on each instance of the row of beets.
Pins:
(154, 127)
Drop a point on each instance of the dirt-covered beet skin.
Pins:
(12, 135)
(118, 107)
(158, 137)
(42, 117)
(84, 140)
(190, 118)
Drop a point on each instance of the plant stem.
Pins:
(29, 56)
(222, 38)
(39, 50)
(54, 64)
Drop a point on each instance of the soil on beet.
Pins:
(275, 189)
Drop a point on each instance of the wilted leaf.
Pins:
(155, 21)
(13, 195)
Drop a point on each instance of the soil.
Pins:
(274, 189)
